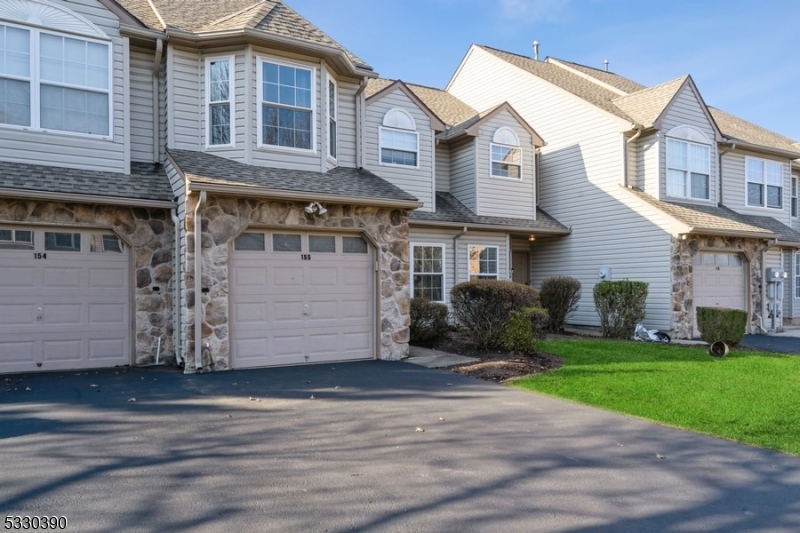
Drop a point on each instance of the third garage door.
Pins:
(301, 298)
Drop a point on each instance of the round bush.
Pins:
(621, 305)
(560, 296)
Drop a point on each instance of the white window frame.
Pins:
(231, 101)
(333, 155)
(793, 207)
(764, 184)
(797, 275)
(687, 172)
(478, 274)
(36, 82)
(260, 104)
(443, 272)
(504, 134)
(387, 127)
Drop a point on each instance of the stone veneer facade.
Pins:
(150, 233)
(683, 251)
(224, 218)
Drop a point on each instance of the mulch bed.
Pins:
(495, 365)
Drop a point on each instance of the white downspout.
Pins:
(638, 134)
(359, 123)
(176, 304)
(156, 101)
(198, 281)
(455, 254)
(719, 170)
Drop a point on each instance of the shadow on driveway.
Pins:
(380, 447)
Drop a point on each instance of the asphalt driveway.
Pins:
(773, 343)
(251, 451)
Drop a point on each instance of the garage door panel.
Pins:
(107, 314)
(62, 278)
(62, 315)
(18, 351)
(18, 277)
(107, 278)
(63, 350)
(17, 315)
(250, 313)
(105, 350)
(312, 305)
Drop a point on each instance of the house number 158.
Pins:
(305, 257)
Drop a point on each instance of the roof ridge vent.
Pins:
(592, 79)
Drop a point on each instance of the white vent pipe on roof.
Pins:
(536, 50)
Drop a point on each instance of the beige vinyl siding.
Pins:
(142, 105)
(179, 190)
(64, 149)
(734, 186)
(795, 220)
(646, 163)
(791, 305)
(277, 157)
(346, 123)
(687, 111)
(237, 153)
(415, 181)
(185, 102)
(463, 179)
(502, 197)
(442, 175)
(580, 177)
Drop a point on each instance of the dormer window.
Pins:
(506, 155)
(688, 164)
(399, 140)
(220, 101)
(287, 110)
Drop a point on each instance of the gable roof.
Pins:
(639, 103)
(271, 17)
(348, 185)
(458, 117)
(436, 123)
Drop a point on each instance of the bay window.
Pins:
(287, 105)
(219, 98)
(62, 83)
(427, 272)
(764, 183)
(688, 170)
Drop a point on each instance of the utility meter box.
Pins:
(604, 273)
(775, 275)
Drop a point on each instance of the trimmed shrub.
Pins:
(721, 324)
(524, 329)
(482, 307)
(428, 320)
(560, 296)
(621, 305)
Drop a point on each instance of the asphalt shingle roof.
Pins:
(646, 106)
(444, 105)
(145, 182)
(722, 219)
(609, 78)
(449, 209)
(198, 16)
(203, 168)
(739, 129)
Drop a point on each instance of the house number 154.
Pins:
(39, 256)
(305, 257)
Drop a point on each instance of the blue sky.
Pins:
(743, 55)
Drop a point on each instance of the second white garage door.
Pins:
(719, 281)
(301, 298)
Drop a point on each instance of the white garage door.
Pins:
(65, 300)
(301, 298)
(719, 281)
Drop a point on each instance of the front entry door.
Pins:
(521, 267)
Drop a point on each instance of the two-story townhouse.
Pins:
(86, 232)
(655, 185)
(475, 173)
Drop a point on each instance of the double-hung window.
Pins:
(287, 105)
(427, 272)
(506, 155)
(54, 82)
(794, 197)
(483, 262)
(688, 169)
(399, 140)
(764, 183)
(332, 117)
(219, 96)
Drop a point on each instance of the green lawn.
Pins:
(747, 397)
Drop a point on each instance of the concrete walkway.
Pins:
(380, 447)
(436, 359)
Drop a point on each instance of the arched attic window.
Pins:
(506, 154)
(688, 163)
(59, 78)
(399, 140)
